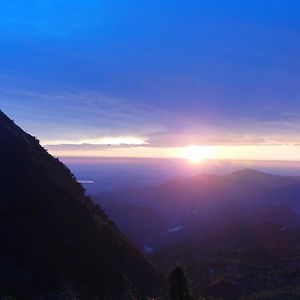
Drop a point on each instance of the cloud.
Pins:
(79, 115)
(104, 141)
(86, 181)
(90, 121)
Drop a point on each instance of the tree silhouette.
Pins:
(178, 285)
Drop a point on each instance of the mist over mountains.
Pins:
(155, 152)
(112, 174)
(227, 228)
(204, 198)
(235, 234)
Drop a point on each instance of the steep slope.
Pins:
(51, 232)
(128, 216)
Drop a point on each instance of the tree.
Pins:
(178, 285)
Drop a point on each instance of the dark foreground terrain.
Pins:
(55, 242)
(219, 237)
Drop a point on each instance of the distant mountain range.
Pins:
(54, 239)
(200, 203)
(230, 229)
(185, 195)
(236, 234)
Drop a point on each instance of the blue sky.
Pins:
(171, 73)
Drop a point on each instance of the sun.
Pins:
(196, 154)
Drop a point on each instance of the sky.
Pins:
(150, 78)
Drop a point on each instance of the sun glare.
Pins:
(196, 154)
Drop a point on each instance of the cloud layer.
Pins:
(97, 76)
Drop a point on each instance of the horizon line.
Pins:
(171, 158)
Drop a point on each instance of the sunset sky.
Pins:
(151, 78)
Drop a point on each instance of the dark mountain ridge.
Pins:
(51, 232)
(203, 203)
(245, 188)
(236, 234)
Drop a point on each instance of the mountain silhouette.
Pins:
(203, 204)
(237, 234)
(183, 197)
(52, 235)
